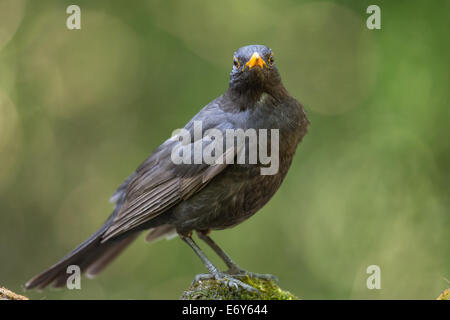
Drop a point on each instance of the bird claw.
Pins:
(201, 277)
(226, 279)
(243, 273)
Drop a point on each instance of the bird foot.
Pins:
(244, 273)
(226, 279)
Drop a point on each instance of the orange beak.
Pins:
(255, 60)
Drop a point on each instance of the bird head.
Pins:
(254, 70)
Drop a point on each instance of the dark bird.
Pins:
(169, 198)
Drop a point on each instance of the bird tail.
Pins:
(91, 257)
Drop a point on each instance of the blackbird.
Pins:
(170, 199)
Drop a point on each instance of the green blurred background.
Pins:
(79, 111)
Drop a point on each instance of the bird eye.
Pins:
(271, 60)
(236, 62)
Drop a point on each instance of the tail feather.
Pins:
(92, 256)
(109, 255)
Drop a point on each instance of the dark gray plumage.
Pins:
(168, 198)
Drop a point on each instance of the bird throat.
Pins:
(250, 97)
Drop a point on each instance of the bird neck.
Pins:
(247, 97)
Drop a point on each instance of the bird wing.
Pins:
(160, 184)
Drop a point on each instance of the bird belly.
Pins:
(227, 201)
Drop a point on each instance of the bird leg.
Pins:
(214, 273)
(233, 268)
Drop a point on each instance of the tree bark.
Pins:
(6, 294)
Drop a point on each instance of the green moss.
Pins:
(444, 295)
(215, 290)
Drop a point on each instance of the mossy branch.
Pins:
(445, 295)
(6, 294)
(215, 290)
